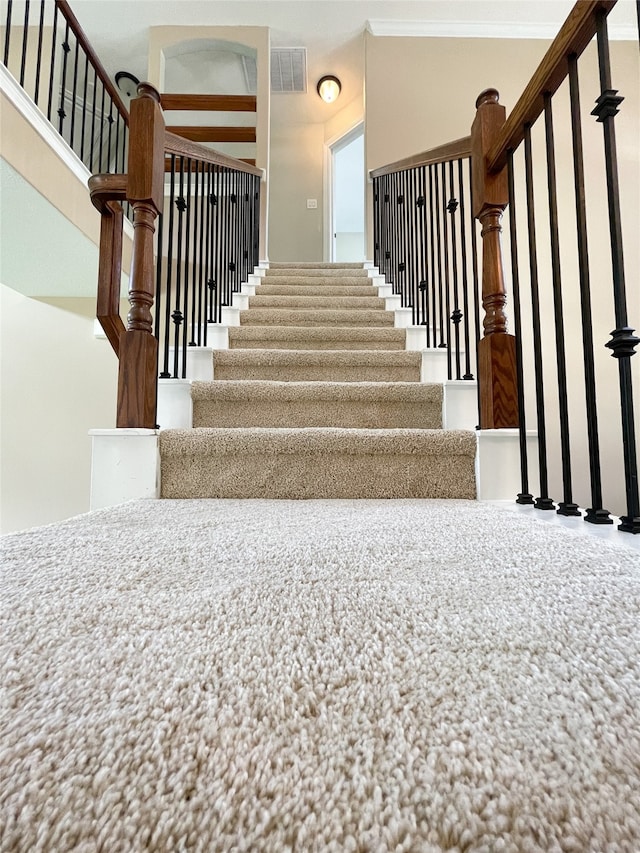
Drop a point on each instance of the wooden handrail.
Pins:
(574, 36)
(441, 154)
(83, 41)
(185, 148)
(107, 193)
(210, 103)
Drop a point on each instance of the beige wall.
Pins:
(57, 381)
(405, 89)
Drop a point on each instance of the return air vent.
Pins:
(288, 69)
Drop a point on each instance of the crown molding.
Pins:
(482, 29)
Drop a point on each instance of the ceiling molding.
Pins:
(482, 29)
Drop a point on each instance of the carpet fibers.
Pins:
(406, 676)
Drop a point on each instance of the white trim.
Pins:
(10, 87)
(483, 29)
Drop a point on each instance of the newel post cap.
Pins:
(489, 190)
(147, 90)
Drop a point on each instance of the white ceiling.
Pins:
(331, 30)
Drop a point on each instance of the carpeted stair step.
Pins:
(316, 317)
(317, 337)
(332, 265)
(317, 365)
(324, 301)
(299, 280)
(317, 463)
(284, 289)
(317, 272)
(349, 405)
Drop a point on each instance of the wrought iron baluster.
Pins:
(167, 313)
(623, 340)
(456, 315)
(544, 501)
(65, 50)
(465, 276)
(445, 264)
(566, 506)
(177, 315)
(74, 95)
(36, 90)
(474, 273)
(7, 32)
(25, 36)
(525, 496)
(54, 36)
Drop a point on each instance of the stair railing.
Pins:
(49, 55)
(195, 242)
(497, 142)
(425, 246)
(537, 365)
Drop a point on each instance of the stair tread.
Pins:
(257, 389)
(319, 316)
(362, 333)
(324, 290)
(326, 302)
(316, 272)
(295, 440)
(278, 356)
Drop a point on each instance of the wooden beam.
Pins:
(210, 103)
(215, 134)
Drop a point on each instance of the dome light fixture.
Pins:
(329, 88)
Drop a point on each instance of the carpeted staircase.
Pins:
(317, 397)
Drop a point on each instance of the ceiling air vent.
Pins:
(288, 69)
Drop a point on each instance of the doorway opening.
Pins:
(347, 193)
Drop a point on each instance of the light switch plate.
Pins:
(312, 203)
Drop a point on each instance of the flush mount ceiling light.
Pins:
(127, 83)
(329, 88)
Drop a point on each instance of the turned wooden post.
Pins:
(137, 379)
(497, 351)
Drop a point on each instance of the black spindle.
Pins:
(25, 36)
(544, 501)
(456, 315)
(63, 85)
(566, 506)
(52, 70)
(595, 513)
(524, 497)
(36, 90)
(623, 341)
(7, 33)
(465, 278)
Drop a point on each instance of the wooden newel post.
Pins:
(497, 351)
(137, 379)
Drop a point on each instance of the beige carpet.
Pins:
(311, 409)
(414, 676)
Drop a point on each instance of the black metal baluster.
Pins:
(202, 272)
(433, 248)
(445, 264)
(65, 49)
(544, 501)
(401, 239)
(223, 215)
(101, 144)
(623, 341)
(109, 135)
(196, 297)
(159, 270)
(36, 90)
(177, 315)
(84, 108)
(440, 284)
(376, 223)
(474, 273)
(217, 246)
(25, 36)
(456, 315)
(465, 277)
(595, 513)
(74, 95)
(54, 36)
(187, 259)
(93, 119)
(423, 241)
(412, 215)
(208, 276)
(7, 33)
(524, 497)
(167, 313)
(566, 506)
